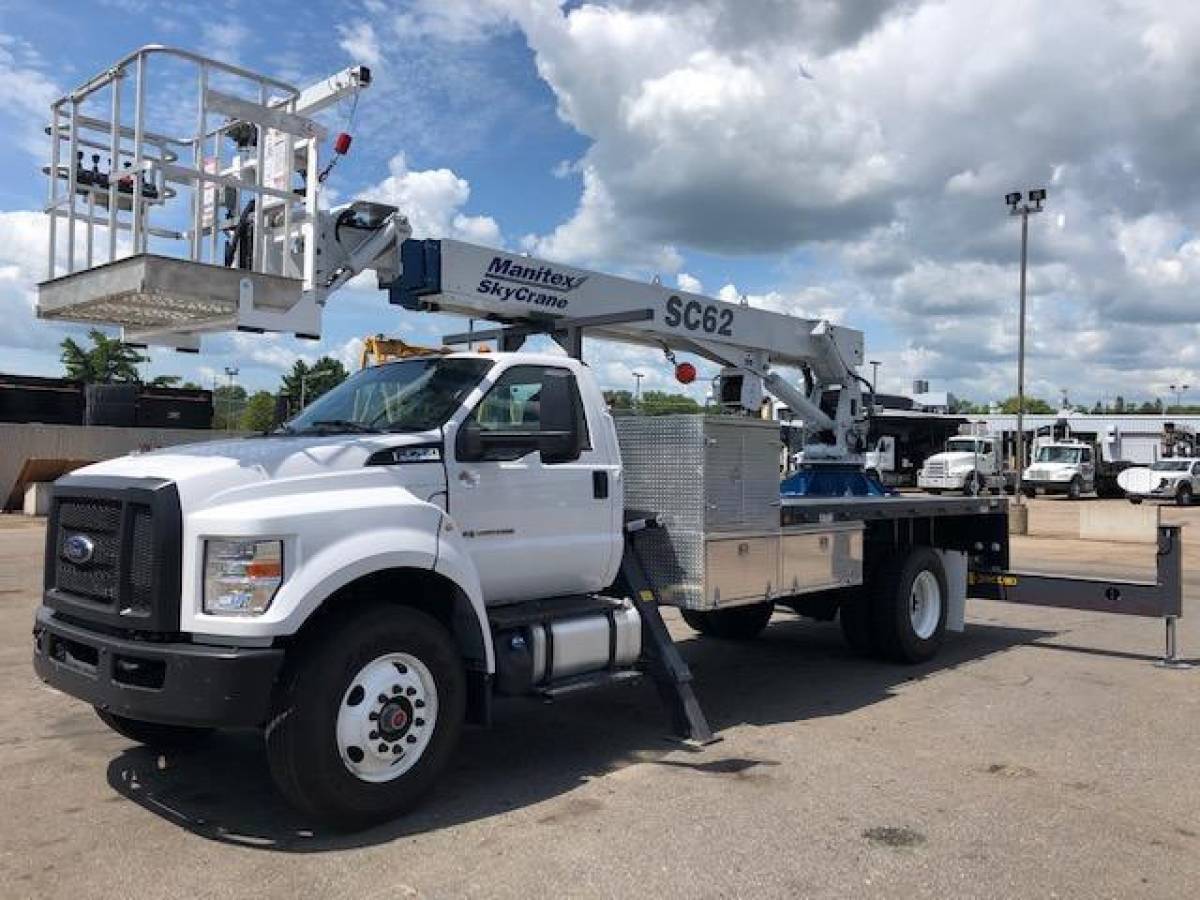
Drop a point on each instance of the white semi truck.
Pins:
(971, 464)
(444, 530)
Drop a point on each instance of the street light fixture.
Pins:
(1178, 391)
(1016, 208)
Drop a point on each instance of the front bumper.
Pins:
(177, 684)
(942, 482)
(1046, 487)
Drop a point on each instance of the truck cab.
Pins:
(968, 464)
(211, 585)
(1061, 467)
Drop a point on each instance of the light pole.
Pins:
(1178, 390)
(637, 389)
(1017, 208)
(875, 364)
(232, 373)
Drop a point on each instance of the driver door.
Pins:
(535, 524)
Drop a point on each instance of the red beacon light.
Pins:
(685, 373)
(341, 143)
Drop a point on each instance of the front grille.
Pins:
(131, 579)
(935, 469)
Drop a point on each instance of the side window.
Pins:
(513, 406)
(1196, 468)
(1087, 454)
(987, 448)
(513, 403)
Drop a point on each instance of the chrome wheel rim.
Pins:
(387, 717)
(925, 604)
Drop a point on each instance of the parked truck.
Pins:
(971, 464)
(449, 528)
(1072, 468)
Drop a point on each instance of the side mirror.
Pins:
(559, 438)
(470, 442)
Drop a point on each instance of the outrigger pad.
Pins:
(146, 291)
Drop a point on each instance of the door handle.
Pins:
(599, 484)
(468, 478)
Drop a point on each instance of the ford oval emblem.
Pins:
(79, 549)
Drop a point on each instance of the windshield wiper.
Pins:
(335, 425)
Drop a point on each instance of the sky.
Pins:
(833, 160)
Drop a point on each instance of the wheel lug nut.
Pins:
(397, 750)
(411, 691)
(373, 735)
(383, 748)
(420, 704)
(383, 698)
(395, 688)
(401, 668)
(411, 739)
(418, 722)
(373, 716)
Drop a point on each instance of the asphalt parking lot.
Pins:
(1042, 755)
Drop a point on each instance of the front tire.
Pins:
(1183, 496)
(972, 486)
(1075, 489)
(737, 623)
(909, 600)
(367, 718)
(155, 735)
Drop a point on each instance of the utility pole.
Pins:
(875, 364)
(232, 373)
(637, 390)
(1017, 208)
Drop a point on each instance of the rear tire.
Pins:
(1135, 500)
(154, 734)
(738, 623)
(1029, 493)
(908, 602)
(339, 686)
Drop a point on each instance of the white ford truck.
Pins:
(436, 532)
(444, 530)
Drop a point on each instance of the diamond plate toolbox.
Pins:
(708, 477)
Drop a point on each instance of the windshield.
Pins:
(962, 445)
(1058, 455)
(1170, 465)
(413, 395)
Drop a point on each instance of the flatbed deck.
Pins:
(824, 510)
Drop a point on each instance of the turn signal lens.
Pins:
(241, 577)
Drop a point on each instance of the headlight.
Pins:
(241, 577)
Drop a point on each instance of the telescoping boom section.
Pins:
(538, 295)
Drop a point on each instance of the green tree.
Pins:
(165, 381)
(618, 399)
(107, 360)
(228, 403)
(259, 412)
(310, 382)
(1033, 406)
(661, 403)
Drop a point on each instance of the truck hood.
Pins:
(954, 460)
(214, 472)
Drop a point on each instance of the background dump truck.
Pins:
(447, 528)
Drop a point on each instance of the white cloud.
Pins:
(358, 39)
(26, 92)
(432, 200)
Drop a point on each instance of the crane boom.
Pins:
(482, 282)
